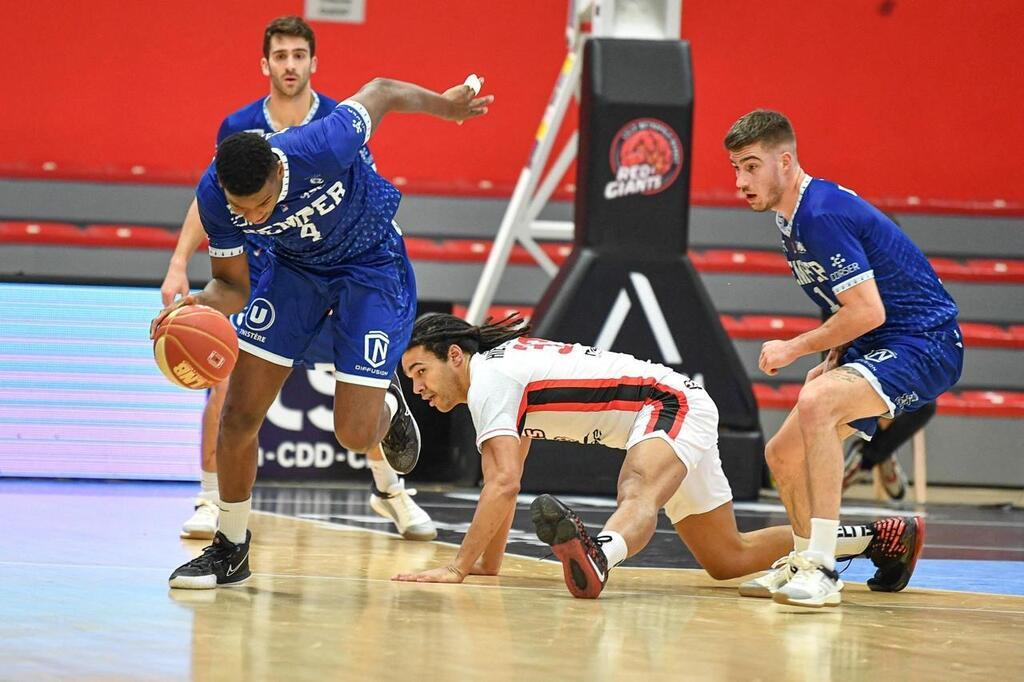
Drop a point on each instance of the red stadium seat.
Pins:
(466, 250)
(776, 326)
(996, 270)
(981, 335)
(61, 234)
(733, 326)
(993, 403)
(947, 268)
(753, 262)
(557, 251)
(1016, 335)
(424, 249)
(990, 404)
(131, 236)
(496, 312)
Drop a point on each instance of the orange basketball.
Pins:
(195, 347)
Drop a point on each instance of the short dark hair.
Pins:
(761, 125)
(289, 26)
(244, 162)
(439, 331)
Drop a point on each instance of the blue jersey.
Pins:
(837, 240)
(255, 118)
(333, 209)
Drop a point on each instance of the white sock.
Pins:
(391, 403)
(383, 475)
(853, 540)
(823, 540)
(615, 550)
(234, 519)
(208, 482)
(800, 544)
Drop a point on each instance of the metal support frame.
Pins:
(532, 192)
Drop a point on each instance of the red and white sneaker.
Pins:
(584, 564)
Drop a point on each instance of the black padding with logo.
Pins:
(628, 285)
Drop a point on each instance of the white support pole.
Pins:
(513, 226)
(650, 19)
(920, 468)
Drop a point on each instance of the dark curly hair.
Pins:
(244, 162)
(438, 331)
(288, 26)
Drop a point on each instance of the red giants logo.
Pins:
(646, 157)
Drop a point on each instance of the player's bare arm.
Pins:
(502, 464)
(490, 561)
(384, 95)
(861, 310)
(227, 291)
(175, 282)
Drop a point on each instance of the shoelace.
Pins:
(210, 555)
(595, 543)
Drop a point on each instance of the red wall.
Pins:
(894, 99)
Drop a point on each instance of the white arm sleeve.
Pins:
(494, 402)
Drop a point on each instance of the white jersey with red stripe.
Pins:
(560, 391)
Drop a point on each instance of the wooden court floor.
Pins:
(83, 595)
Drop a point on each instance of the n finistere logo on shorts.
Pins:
(375, 348)
(646, 156)
(880, 355)
(260, 315)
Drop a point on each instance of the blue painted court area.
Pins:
(961, 575)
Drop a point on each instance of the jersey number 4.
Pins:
(309, 231)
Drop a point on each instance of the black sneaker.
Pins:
(894, 549)
(221, 564)
(401, 445)
(584, 564)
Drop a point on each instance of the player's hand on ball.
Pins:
(464, 102)
(442, 574)
(184, 300)
(774, 356)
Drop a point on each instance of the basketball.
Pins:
(195, 347)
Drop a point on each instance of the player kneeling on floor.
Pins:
(519, 388)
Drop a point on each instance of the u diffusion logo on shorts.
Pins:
(375, 348)
(260, 315)
(646, 156)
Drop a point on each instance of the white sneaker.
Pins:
(202, 525)
(769, 583)
(812, 585)
(396, 504)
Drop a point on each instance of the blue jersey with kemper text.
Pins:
(333, 209)
(837, 240)
(255, 118)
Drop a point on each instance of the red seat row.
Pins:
(745, 261)
(764, 327)
(997, 404)
(996, 271)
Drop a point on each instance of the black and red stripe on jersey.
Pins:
(626, 394)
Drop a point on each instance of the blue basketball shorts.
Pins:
(907, 372)
(357, 316)
(321, 350)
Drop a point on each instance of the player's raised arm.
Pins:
(459, 103)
